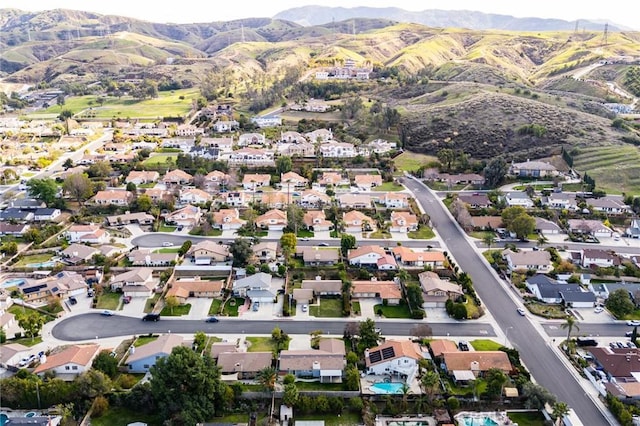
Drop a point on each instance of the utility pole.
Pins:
(606, 33)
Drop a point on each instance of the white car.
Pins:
(304, 308)
(167, 244)
(598, 309)
(633, 322)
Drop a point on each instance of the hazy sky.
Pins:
(188, 11)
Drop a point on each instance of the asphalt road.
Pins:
(538, 357)
(94, 325)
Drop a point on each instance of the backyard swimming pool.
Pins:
(13, 282)
(387, 388)
(3, 419)
(478, 421)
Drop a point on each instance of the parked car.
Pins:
(598, 309)
(24, 362)
(151, 317)
(212, 319)
(633, 322)
(167, 244)
(305, 307)
(73, 300)
(463, 345)
(126, 299)
(107, 313)
(256, 306)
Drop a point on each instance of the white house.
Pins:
(194, 196)
(608, 205)
(538, 261)
(46, 214)
(366, 255)
(600, 258)
(518, 198)
(256, 287)
(338, 150)
(396, 200)
(395, 358)
(247, 139)
(137, 282)
(70, 362)
(86, 234)
(590, 227)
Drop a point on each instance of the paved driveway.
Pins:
(199, 308)
(135, 308)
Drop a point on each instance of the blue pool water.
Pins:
(49, 264)
(478, 421)
(387, 388)
(12, 283)
(3, 419)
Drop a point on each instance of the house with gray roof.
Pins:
(546, 227)
(142, 358)
(326, 363)
(535, 169)
(245, 365)
(518, 198)
(549, 290)
(257, 287)
(528, 260)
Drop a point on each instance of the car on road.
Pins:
(304, 239)
(633, 322)
(628, 334)
(212, 319)
(167, 244)
(106, 313)
(323, 245)
(521, 311)
(151, 317)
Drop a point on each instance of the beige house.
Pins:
(184, 288)
(70, 362)
(316, 220)
(320, 256)
(187, 216)
(332, 179)
(265, 251)
(292, 180)
(529, 260)
(194, 196)
(244, 365)
(437, 291)
(252, 181)
(313, 198)
(113, 197)
(207, 252)
(354, 201)
(273, 220)
(177, 177)
(403, 222)
(366, 182)
(140, 177)
(137, 282)
(276, 199)
(355, 221)
(384, 290)
(227, 219)
(418, 259)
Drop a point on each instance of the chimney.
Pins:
(366, 353)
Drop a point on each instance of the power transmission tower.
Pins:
(576, 29)
(606, 33)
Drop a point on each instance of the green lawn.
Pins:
(167, 104)
(423, 233)
(481, 234)
(178, 311)
(214, 309)
(547, 310)
(235, 418)
(168, 250)
(19, 310)
(534, 418)
(380, 235)
(109, 300)
(329, 308)
(150, 303)
(317, 386)
(118, 416)
(34, 258)
(231, 307)
(346, 418)
(210, 233)
(260, 344)
(389, 187)
(355, 308)
(27, 341)
(485, 345)
(410, 161)
(400, 311)
(305, 233)
(166, 228)
(143, 340)
(159, 159)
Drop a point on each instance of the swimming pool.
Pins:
(13, 282)
(3, 419)
(49, 264)
(478, 421)
(387, 388)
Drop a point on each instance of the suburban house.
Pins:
(86, 234)
(244, 365)
(486, 222)
(227, 219)
(207, 252)
(143, 257)
(387, 263)
(620, 364)
(140, 218)
(337, 150)
(247, 139)
(113, 197)
(225, 346)
(276, 199)
(252, 181)
(388, 291)
(548, 290)
(475, 200)
(332, 179)
(518, 198)
(140, 177)
(17, 229)
(158, 194)
(216, 179)
(78, 253)
(177, 177)
(397, 358)
(326, 363)
(590, 258)
(187, 216)
(315, 220)
(603, 290)
(589, 227)
(560, 200)
(142, 358)
(59, 286)
(313, 198)
(292, 180)
(319, 256)
(292, 137)
(355, 221)
(633, 231)
(438, 347)
(322, 287)
(270, 121)
(354, 201)
(250, 156)
(273, 220)
(70, 362)
(137, 282)
(366, 255)
(608, 205)
(366, 182)
(257, 285)
(235, 199)
(530, 260)
(265, 251)
(418, 259)
(12, 353)
(16, 215)
(478, 362)
(437, 291)
(222, 126)
(194, 196)
(534, 169)
(319, 135)
(296, 149)
(46, 214)
(403, 222)
(396, 200)
(546, 227)
(185, 288)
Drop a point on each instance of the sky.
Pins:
(190, 11)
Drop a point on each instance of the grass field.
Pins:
(109, 300)
(329, 308)
(400, 311)
(168, 250)
(117, 416)
(230, 308)
(527, 419)
(167, 104)
(159, 159)
(485, 345)
(150, 303)
(410, 161)
(143, 340)
(215, 306)
(389, 187)
(615, 168)
(178, 311)
(34, 258)
(260, 344)
(423, 233)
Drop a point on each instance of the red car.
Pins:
(126, 299)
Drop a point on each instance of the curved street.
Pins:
(524, 334)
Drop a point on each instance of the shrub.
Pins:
(100, 406)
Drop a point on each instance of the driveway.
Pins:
(199, 308)
(366, 307)
(135, 308)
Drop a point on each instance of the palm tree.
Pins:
(406, 390)
(542, 240)
(560, 409)
(570, 323)
(429, 381)
(489, 239)
(267, 378)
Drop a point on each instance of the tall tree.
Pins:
(31, 322)
(496, 379)
(619, 303)
(288, 242)
(560, 409)
(44, 190)
(429, 382)
(295, 218)
(187, 387)
(446, 156)
(369, 336)
(171, 302)
(290, 395)
(241, 251)
(283, 165)
(92, 383)
(523, 225)
(106, 363)
(267, 378)
(347, 242)
(489, 239)
(78, 186)
(569, 324)
(495, 172)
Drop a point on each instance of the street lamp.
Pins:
(506, 335)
